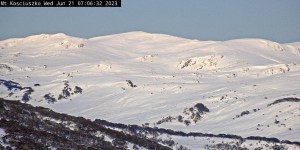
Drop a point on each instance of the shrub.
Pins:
(201, 108)
(77, 89)
(187, 122)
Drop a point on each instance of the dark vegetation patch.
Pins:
(27, 91)
(201, 108)
(273, 140)
(225, 146)
(26, 128)
(186, 64)
(243, 113)
(192, 114)
(288, 99)
(77, 90)
(36, 84)
(167, 119)
(137, 130)
(279, 147)
(11, 85)
(67, 91)
(246, 112)
(5, 66)
(129, 83)
(50, 98)
(14, 86)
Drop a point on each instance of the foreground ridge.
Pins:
(28, 127)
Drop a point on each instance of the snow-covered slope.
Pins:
(138, 78)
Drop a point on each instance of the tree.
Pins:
(180, 118)
(119, 143)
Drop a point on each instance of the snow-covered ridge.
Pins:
(137, 35)
(167, 74)
(59, 40)
(141, 35)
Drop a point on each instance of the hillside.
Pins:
(216, 87)
(23, 126)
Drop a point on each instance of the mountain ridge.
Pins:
(139, 33)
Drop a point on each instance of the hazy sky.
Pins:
(277, 20)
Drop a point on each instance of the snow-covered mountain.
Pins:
(216, 87)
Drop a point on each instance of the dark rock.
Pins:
(201, 108)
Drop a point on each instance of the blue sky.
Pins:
(277, 20)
